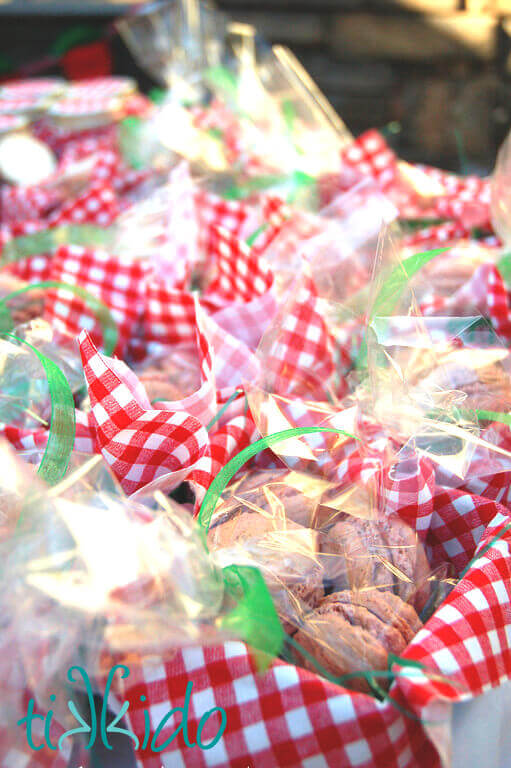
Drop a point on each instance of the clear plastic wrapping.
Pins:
(24, 397)
(349, 589)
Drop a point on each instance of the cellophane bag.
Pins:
(71, 600)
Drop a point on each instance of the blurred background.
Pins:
(434, 74)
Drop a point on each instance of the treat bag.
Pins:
(438, 384)
(69, 610)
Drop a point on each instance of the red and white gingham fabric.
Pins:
(408, 490)
(18, 756)
(290, 717)
(215, 211)
(25, 203)
(436, 236)
(169, 314)
(464, 198)
(37, 86)
(299, 357)
(201, 404)
(489, 472)
(239, 274)
(10, 122)
(371, 156)
(118, 282)
(98, 204)
(241, 290)
(235, 363)
(101, 87)
(58, 137)
(37, 439)
(139, 444)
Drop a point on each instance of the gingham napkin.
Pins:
(140, 444)
(240, 296)
(118, 282)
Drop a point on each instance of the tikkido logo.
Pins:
(91, 729)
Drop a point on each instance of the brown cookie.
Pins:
(385, 606)
(364, 555)
(351, 552)
(339, 648)
(354, 632)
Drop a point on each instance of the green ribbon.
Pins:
(223, 409)
(100, 311)
(254, 619)
(259, 231)
(412, 225)
(62, 425)
(131, 142)
(504, 267)
(48, 240)
(223, 79)
(255, 184)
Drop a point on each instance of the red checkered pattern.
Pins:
(284, 250)
(465, 199)
(489, 472)
(58, 137)
(201, 404)
(139, 444)
(97, 205)
(108, 164)
(437, 236)
(239, 273)
(214, 211)
(116, 281)
(241, 289)
(18, 105)
(219, 117)
(299, 361)
(85, 437)
(468, 637)
(234, 362)
(25, 439)
(275, 214)
(101, 87)
(408, 489)
(25, 203)
(370, 155)
(30, 440)
(169, 316)
(289, 716)
(38, 86)
(18, 756)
